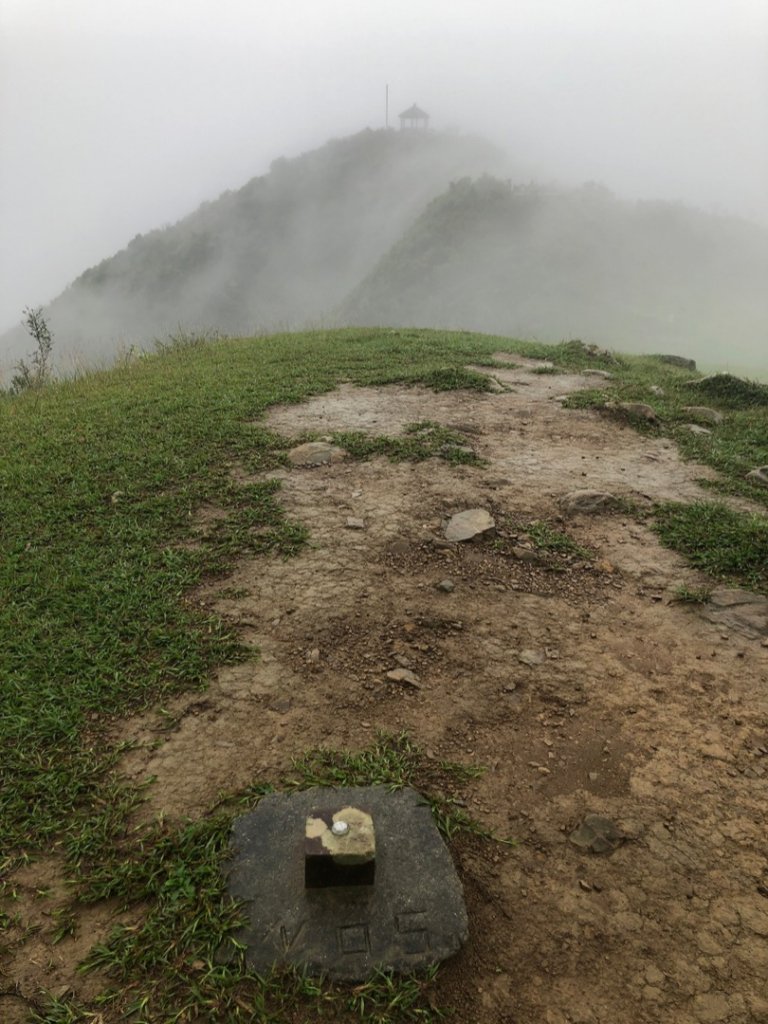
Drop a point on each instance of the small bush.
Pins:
(735, 392)
(36, 372)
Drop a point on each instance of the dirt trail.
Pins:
(634, 707)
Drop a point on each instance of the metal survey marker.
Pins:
(341, 882)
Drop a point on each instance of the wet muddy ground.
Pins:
(581, 684)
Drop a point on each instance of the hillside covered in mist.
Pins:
(429, 229)
(279, 253)
(530, 261)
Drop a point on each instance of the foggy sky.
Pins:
(117, 117)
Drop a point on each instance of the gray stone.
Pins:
(597, 835)
(355, 524)
(447, 586)
(525, 554)
(759, 476)
(655, 389)
(597, 373)
(740, 610)
(638, 411)
(704, 413)
(681, 361)
(696, 429)
(315, 453)
(474, 522)
(411, 917)
(532, 658)
(588, 501)
(404, 676)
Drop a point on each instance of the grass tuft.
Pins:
(423, 440)
(547, 538)
(730, 391)
(725, 543)
(692, 595)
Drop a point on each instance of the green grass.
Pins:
(692, 595)
(396, 762)
(728, 544)
(547, 538)
(419, 441)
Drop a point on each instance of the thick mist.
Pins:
(119, 120)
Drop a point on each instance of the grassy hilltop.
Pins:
(100, 484)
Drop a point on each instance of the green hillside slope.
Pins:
(281, 251)
(536, 262)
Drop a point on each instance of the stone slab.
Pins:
(315, 453)
(740, 610)
(587, 501)
(467, 525)
(413, 916)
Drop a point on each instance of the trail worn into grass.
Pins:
(578, 679)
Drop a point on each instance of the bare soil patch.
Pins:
(634, 707)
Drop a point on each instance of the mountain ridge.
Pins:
(428, 229)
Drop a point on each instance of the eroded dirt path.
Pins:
(634, 707)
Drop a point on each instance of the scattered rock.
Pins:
(355, 524)
(740, 610)
(525, 554)
(696, 429)
(655, 389)
(315, 453)
(704, 413)
(715, 750)
(399, 547)
(597, 835)
(474, 522)
(759, 476)
(405, 677)
(681, 361)
(711, 1007)
(447, 586)
(597, 373)
(754, 918)
(638, 411)
(530, 657)
(587, 501)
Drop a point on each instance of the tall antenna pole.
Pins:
(386, 106)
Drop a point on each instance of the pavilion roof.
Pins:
(414, 112)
